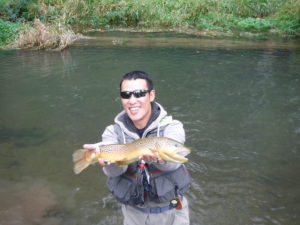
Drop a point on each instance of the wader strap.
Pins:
(154, 210)
(175, 203)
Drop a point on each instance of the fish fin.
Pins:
(79, 154)
(80, 165)
(122, 163)
(126, 161)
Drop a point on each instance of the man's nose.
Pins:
(132, 99)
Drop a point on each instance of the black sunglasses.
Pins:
(136, 93)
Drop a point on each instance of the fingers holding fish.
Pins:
(103, 162)
(92, 147)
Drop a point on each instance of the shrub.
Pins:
(254, 24)
(287, 19)
(252, 8)
(45, 36)
(8, 31)
(16, 10)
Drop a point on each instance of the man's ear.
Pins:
(152, 95)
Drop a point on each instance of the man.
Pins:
(151, 190)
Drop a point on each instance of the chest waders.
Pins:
(134, 188)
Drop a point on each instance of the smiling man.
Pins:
(137, 108)
(152, 190)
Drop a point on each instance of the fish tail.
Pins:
(79, 154)
(80, 163)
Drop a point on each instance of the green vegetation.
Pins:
(63, 16)
(9, 31)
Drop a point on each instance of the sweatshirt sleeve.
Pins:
(175, 131)
(110, 137)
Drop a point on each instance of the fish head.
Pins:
(181, 150)
(174, 147)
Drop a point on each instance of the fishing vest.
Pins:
(130, 188)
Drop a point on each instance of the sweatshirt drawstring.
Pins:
(124, 138)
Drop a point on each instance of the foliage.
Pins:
(213, 15)
(17, 10)
(45, 36)
(287, 19)
(8, 31)
(254, 24)
(252, 8)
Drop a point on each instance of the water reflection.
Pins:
(27, 202)
(239, 102)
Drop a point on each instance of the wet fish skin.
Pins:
(124, 154)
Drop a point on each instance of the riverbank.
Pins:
(55, 25)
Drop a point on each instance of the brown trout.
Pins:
(124, 154)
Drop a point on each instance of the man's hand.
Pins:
(97, 150)
(90, 146)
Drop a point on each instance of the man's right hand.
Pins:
(97, 150)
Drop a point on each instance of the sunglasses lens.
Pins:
(125, 94)
(139, 93)
(136, 93)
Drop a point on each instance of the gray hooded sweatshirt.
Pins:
(159, 125)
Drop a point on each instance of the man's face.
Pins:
(138, 109)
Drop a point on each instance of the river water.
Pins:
(239, 101)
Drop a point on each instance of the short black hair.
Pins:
(133, 75)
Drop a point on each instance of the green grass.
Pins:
(209, 15)
(254, 24)
(287, 18)
(8, 31)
